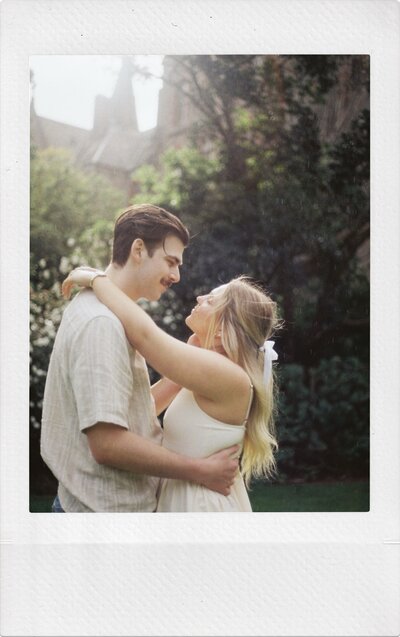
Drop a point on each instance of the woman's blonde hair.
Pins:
(246, 317)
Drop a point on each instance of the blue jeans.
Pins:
(56, 507)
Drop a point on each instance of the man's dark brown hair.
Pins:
(149, 223)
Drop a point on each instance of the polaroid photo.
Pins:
(250, 121)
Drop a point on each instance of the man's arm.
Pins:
(117, 447)
(102, 382)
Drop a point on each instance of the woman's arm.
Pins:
(164, 391)
(206, 373)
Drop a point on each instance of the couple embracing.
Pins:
(101, 436)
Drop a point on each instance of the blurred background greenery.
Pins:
(272, 178)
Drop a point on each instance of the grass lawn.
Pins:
(41, 503)
(335, 496)
(328, 496)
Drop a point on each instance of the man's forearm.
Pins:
(116, 447)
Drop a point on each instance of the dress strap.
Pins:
(249, 405)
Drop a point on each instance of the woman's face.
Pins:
(200, 317)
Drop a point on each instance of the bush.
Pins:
(323, 422)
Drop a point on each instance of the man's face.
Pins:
(158, 272)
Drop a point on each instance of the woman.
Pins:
(227, 381)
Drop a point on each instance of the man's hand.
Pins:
(220, 469)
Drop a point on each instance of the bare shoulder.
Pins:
(230, 399)
(235, 379)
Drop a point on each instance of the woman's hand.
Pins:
(82, 277)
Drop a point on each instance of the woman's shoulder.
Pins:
(230, 403)
(241, 381)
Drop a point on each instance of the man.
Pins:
(100, 433)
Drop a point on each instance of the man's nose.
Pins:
(175, 274)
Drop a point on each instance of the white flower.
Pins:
(40, 342)
(55, 315)
(64, 265)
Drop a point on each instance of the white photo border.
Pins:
(200, 574)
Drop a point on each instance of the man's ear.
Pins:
(137, 250)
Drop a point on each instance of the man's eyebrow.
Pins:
(173, 258)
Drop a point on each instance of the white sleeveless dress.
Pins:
(188, 430)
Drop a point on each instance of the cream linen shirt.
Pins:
(95, 376)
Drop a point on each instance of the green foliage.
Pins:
(45, 315)
(64, 202)
(280, 204)
(95, 245)
(184, 180)
(324, 420)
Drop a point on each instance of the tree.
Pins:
(64, 202)
(280, 200)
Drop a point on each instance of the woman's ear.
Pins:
(137, 249)
(218, 339)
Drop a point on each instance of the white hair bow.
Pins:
(269, 356)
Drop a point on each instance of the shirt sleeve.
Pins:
(101, 374)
